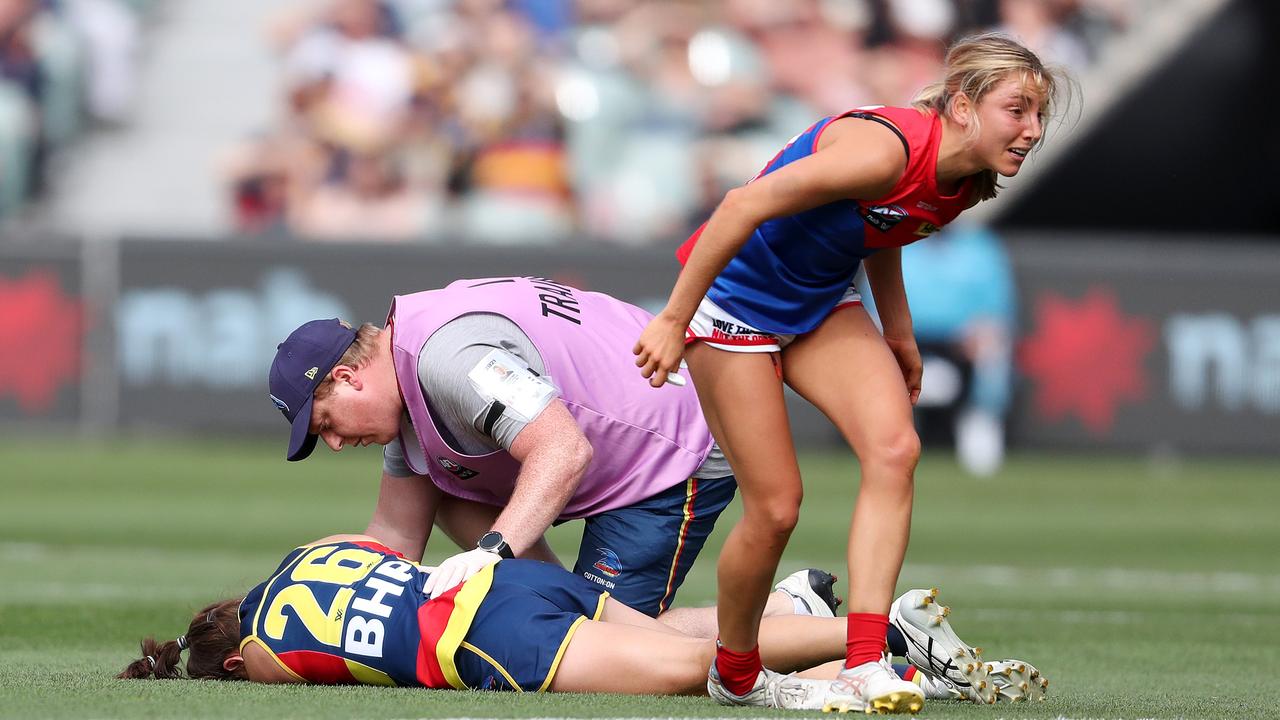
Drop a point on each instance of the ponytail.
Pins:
(159, 661)
(213, 635)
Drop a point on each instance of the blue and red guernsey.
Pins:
(794, 269)
(354, 613)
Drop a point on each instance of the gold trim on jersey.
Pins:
(564, 644)
(465, 606)
(498, 666)
(258, 641)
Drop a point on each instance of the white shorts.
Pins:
(723, 331)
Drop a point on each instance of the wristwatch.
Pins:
(493, 542)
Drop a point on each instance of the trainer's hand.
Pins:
(907, 354)
(659, 349)
(457, 569)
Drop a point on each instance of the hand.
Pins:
(907, 354)
(457, 569)
(659, 349)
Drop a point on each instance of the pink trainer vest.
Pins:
(645, 440)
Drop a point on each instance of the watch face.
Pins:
(493, 542)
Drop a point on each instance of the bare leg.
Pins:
(825, 671)
(610, 657)
(846, 370)
(795, 642)
(629, 652)
(701, 622)
(759, 449)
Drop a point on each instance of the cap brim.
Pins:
(301, 441)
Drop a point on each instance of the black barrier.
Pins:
(44, 321)
(197, 323)
(1123, 344)
(1147, 344)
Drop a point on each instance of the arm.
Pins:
(860, 160)
(553, 455)
(464, 521)
(405, 511)
(261, 667)
(884, 275)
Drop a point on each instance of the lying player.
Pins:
(348, 610)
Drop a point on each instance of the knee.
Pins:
(898, 450)
(775, 516)
(686, 672)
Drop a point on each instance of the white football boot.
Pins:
(936, 689)
(757, 696)
(932, 646)
(1017, 681)
(811, 590)
(872, 687)
(788, 692)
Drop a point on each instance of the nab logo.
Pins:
(883, 217)
(926, 229)
(311, 374)
(460, 471)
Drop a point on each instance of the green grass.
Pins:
(1142, 590)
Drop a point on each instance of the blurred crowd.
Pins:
(528, 121)
(64, 65)
(515, 121)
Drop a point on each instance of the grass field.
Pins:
(1141, 590)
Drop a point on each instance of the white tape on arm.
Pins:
(505, 378)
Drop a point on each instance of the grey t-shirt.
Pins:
(460, 411)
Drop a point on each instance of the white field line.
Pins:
(1216, 583)
(17, 557)
(739, 717)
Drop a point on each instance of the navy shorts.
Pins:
(524, 625)
(642, 552)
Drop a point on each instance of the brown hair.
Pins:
(974, 66)
(361, 351)
(214, 633)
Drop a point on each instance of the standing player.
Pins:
(765, 297)
(508, 404)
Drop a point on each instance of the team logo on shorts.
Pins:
(608, 564)
(882, 217)
(461, 471)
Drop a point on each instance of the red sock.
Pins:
(738, 670)
(866, 636)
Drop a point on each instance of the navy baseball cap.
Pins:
(302, 362)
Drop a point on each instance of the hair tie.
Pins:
(208, 617)
(182, 643)
(153, 662)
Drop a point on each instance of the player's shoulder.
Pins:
(873, 151)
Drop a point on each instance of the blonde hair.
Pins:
(361, 351)
(974, 66)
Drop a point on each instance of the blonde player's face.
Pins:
(355, 413)
(1010, 116)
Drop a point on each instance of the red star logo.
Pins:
(40, 330)
(1086, 358)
